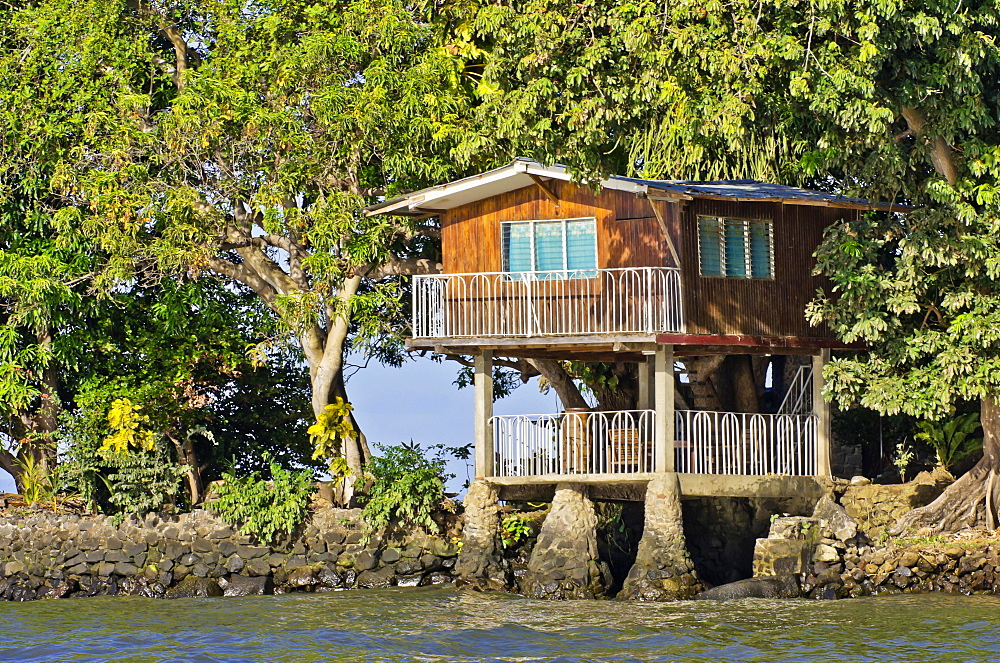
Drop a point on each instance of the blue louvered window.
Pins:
(735, 248)
(556, 249)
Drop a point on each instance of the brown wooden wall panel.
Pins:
(760, 307)
(628, 234)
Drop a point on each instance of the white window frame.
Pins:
(747, 260)
(584, 273)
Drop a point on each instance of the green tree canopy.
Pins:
(242, 140)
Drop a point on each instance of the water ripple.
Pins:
(418, 625)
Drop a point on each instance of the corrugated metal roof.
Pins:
(745, 190)
(520, 173)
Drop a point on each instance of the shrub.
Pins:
(408, 485)
(952, 439)
(265, 508)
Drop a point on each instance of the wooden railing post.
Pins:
(482, 381)
(663, 395)
(822, 411)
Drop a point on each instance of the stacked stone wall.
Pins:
(49, 555)
(877, 507)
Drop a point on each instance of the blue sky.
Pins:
(418, 401)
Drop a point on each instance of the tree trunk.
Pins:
(189, 459)
(625, 395)
(964, 503)
(8, 463)
(561, 381)
(744, 384)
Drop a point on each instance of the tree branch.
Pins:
(400, 267)
(942, 154)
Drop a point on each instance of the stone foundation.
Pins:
(197, 554)
(564, 562)
(480, 564)
(663, 570)
(876, 507)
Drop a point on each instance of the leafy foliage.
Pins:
(407, 486)
(328, 434)
(951, 439)
(513, 530)
(143, 480)
(265, 509)
(127, 432)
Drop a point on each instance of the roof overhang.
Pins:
(522, 173)
(515, 175)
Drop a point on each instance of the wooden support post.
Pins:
(482, 382)
(663, 399)
(645, 384)
(821, 409)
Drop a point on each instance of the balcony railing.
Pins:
(622, 442)
(573, 443)
(736, 443)
(642, 300)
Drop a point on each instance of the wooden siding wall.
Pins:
(760, 307)
(628, 234)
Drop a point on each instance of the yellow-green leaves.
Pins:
(328, 434)
(128, 433)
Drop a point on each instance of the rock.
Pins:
(409, 581)
(860, 481)
(793, 528)
(834, 520)
(390, 555)
(825, 553)
(366, 559)
(409, 567)
(384, 577)
(303, 576)
(773, 587)
(258, 567)
(125, 569)
(240, 585)
(437, 579)
(775, 557)
(195, 587)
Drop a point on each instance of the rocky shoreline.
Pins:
(825, 555)
(44, 555)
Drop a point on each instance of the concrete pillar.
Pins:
(564, 563)
(663, 396)
(480, 563)
(663, 570)
(646, 383)
(482, 381)
(821, 408)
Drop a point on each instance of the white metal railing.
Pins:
(753, 444)
(798, 398)
(573, 443)
(599, 301)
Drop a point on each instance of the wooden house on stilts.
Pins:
(644, 271)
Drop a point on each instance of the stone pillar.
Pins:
(663, 570)
(663, 395)
(482, 379)
(821, 408)
(480, 563)
(564, 563)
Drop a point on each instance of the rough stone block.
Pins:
(775, 557)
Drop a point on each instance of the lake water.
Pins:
(447, 625)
